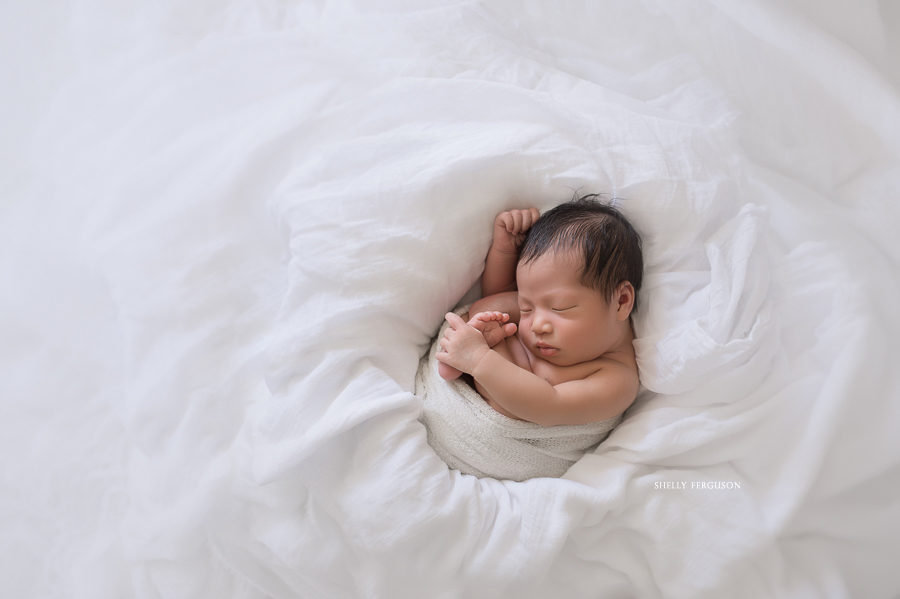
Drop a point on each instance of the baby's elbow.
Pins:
(546, 420)
(485, 304)
(551, 413)
(503, 302)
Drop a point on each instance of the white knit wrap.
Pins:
(472, 437)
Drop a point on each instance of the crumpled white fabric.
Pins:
(248, 219)
(473, 438)
(724, 318)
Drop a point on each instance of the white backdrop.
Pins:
(229, 230)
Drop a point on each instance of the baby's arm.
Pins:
(604, 394)
(492, 327)
(506, 303)
(498, 283)
(500, 266)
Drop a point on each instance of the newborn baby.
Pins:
(551, 341)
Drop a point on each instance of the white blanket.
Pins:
(472, 437)
(248, 218)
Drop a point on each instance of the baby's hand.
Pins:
(491, 326)
(510, 228)
(492, 329)
(462, 346)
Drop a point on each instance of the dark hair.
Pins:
(609, 244)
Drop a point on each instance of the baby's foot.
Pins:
(447, 372)
(491, 326)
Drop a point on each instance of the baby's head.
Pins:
(579, 273)
(609, 247)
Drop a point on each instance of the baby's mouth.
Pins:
(546, 350)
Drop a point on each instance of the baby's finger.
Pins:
(505, 220)
(526, 220)
(511, 222)
(446, 343)
(517, 220)
(454, 320)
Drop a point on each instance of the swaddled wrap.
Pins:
(472, 437)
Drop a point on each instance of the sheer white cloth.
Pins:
(249, 218)
(472, 437)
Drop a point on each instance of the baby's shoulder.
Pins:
(622, 371)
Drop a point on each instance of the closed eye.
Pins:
(562, 309)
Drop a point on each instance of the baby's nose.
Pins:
(540, 325)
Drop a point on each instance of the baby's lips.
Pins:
(547, 350)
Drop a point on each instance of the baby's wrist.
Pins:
(502, 247)
(481, 361)
(507, 254)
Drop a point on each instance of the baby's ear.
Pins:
(624, 300)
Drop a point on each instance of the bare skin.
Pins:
(549, 350)
(499, 276)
